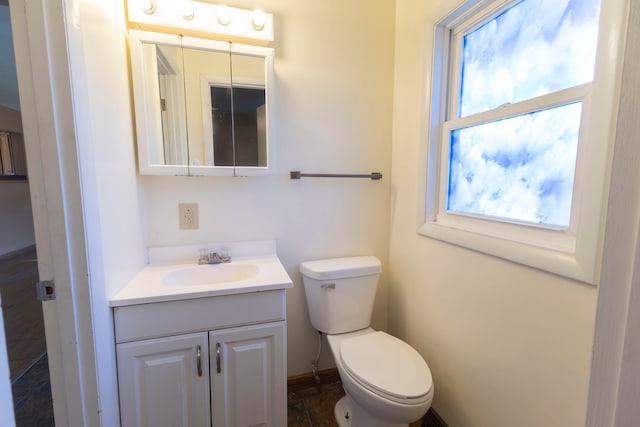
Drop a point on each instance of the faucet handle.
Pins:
(204, 256)
(223, 255)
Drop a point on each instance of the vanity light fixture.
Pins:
(147, 6)
(224, 15)
(201, 16)
(257, 20)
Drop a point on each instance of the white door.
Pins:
(248, 376)
(47, 116)
(6, 403)
(164, 381)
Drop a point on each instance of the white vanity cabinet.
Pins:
(215, 361)
(165, 381)
(247, 372)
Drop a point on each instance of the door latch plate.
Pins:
(45, 290)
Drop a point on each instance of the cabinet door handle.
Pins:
(218, 358)
(199, 359)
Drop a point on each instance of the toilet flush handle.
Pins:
(330, 285)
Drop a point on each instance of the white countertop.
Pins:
(147, 286)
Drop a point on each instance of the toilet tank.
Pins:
(340, 292)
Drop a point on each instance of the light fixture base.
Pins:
(203, 17)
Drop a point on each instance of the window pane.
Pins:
(533, 48)
(521, 168)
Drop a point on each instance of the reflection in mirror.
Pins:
(246, 126)
(201, 67)
(170, 76)
(238, 115)
(249, 127)
(249, 110)
(222, 125)
(237, 111)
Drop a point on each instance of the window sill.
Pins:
(574, 265)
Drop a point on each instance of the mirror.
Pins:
(202, 106)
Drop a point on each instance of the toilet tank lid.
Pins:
(339, 268)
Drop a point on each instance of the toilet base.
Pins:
(342, 412)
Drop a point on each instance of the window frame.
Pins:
(573, 251)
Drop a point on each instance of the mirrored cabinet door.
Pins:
(249, 110)
(171, 149)
(203, 107)
(206, 68)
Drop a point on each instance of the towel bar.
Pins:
(298, 175)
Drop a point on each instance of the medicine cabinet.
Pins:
(203, 107)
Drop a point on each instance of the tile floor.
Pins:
(32, 397)
(312, 406)
(22, 312)
(26, 346)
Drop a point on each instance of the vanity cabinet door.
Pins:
(164, 381)
(248, 376)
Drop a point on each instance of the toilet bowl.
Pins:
(387, 383)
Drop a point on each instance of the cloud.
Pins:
(532, 49)
(523, 168)
(520, 168)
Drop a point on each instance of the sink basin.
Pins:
(209, 274)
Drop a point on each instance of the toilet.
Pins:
(386, 381)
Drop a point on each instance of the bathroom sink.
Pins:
(173, 273)
(209, 274)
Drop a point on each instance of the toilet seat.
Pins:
(387, 366)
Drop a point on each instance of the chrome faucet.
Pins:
(207, 257)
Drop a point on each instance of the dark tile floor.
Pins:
(22, 312)
(32, 397)
(26, 346)
(312, 406)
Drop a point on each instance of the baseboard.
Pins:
(17, 252)
(432, 419)
(299, 382)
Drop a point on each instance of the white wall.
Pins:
(507, 345)
(16, 221)
(10, 119)
(111, 192)
(334, 74)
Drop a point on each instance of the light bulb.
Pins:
(147, 6)
(224, 15)
(186, 10)
(258, 19)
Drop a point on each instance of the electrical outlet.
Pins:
(188, 216)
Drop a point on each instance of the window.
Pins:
(13, 164)
(515, 133)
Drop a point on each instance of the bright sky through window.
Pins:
(522, 168)
(533, 48)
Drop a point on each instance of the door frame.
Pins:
(44, 84)
(615, 371)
